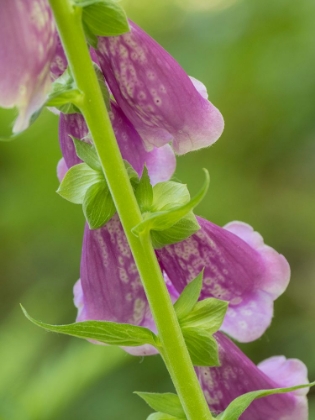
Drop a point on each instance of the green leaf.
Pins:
(239, 405)
(186, 227)
(202, 347)
(103, 331)
(91, 38)
(189, 297)
(64, 92)
(103, 17)
(162, 220)
(101, 81)
(208, 315)
(87, 153)
(163, 416)
(133, 176)
(98, 205)
(77, 181)
(169, 195)
(166, 403)
(144, 192)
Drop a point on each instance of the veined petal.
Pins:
(59, 63)
(238, 267)
(160, 162)
(110, 288)
(27, 45)
(238, 375)
(156, 95)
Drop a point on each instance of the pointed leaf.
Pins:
(91, 38)
(133, 176)
(104, 17)
(106, 332)
(239, 405)
(101, 81)
(64, 91)
(169, 195)
(163, 416)
(167, 403)
(186, 227)
(87, 153)
(98, 206)
(208, 315)
(189, 297)
(144, 192)
(165, 219)
(77, 181)
(202, 347)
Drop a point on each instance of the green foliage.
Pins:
(208, 315)
(189, 297)
(162, 416)
(87, 153)
(98, 206)
(101, 81)
(85, 184)
(237, 407)
(77, 181)
(202, 347)
(170, 215)
(180, 231)
(64, 94)
(102, 18)
(144, 192)
(199, 320)
(110, 333)
(168, 405)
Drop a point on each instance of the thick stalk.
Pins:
(175, 354)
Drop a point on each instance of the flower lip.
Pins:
(238, 267)
(238, 375)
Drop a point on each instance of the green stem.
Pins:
(175, 353)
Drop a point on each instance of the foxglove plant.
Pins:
(154, 278)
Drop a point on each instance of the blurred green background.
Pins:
(257, 59)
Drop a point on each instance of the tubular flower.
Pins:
(161, 101)
(238, 267)
(238, 375)
(159, 161)
(25, 60)
(110, 288)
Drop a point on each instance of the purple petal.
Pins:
(160, 162)
(62, 169)
(28, 41)
(239, 268)
(60, 62)
(156, 94)
(238, 375)
(110, 288)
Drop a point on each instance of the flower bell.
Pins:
(27, 45)
(161, 101)
(159, 161)
(238, 267)
(238, 375)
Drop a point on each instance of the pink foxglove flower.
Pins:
(161, 101)
(106, 253)
(238, 267)
(27, 46)
(238, 375)
(159, 161)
